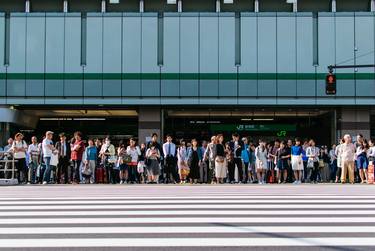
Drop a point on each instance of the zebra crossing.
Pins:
(187, 217)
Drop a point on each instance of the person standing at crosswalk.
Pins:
(47, 149)
(209, 155)
(297, 164)
(348, 156)
(169, 150)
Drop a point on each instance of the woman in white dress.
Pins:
(261, 161)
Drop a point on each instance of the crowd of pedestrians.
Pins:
(239, 160)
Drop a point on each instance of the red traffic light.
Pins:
(331, 84)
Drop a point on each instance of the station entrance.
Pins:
(267, 124)
(119, 124)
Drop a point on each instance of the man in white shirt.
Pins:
(347, 156)
(47, 148)
(170, 169)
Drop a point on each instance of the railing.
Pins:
(7, 165)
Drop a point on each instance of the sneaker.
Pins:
(121, 182)
(299, 182)
(260, 182)
(279, 181)
(44, 182)
(295, 182)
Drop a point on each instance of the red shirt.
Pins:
(77, 154)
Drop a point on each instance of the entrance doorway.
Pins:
(266, 124)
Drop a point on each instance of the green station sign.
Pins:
(281, 128)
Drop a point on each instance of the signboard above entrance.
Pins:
(252, 127)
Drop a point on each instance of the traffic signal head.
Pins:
(331, 84)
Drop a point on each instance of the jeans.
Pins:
(47, 172)
(333, 169)
(33, 166)
(75, 175)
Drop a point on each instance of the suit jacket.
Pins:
(237, 152)
(68, 150)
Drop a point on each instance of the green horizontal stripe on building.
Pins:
(184, 76)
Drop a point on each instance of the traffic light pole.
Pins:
(331, 67)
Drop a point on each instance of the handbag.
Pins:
(140, 167)
(86, 170)
(321, 163)
(310, 163)
(126, 159)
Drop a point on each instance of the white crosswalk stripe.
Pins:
(233, 218)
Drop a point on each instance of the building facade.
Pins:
(251, 66)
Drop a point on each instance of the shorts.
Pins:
(282, 164)
(362, 162)
(124, 167)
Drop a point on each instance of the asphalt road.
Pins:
(200, 217)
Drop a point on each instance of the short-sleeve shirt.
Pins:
(77, 155)
(20, 144)
(296, 150)
(47, 152)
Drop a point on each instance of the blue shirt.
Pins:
(297, 150)
(245, 154)
(304, 157)
(91, 153)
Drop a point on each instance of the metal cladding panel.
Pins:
(2, 50)
(249, 44)
(345, 52)
(209, 53)
(171, 57)
(54, 61)
(112, 58)
(171, 44)
(72, 54)
(149, 56)
(227, 49)
(189, 44)
(189, 88)
(189, 53)
(17, 55)
(72, 41)
(305, 61)
(364, 44)
(267, 52)
(94, 61)
(131, 54)
(227, 43)
(2, 43)
(304, 44)
(286, 54)
(326, 41)
(248, 87)
(286, 44)
(54, 58)
(112, 44)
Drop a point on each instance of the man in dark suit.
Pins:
(64, 151)
(236, 145)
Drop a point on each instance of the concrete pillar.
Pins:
(4, 133)
(353, 121)
(149, 121)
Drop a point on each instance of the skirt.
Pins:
(221, 169)
(297, 163)
(153, 168)
(261, 165)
